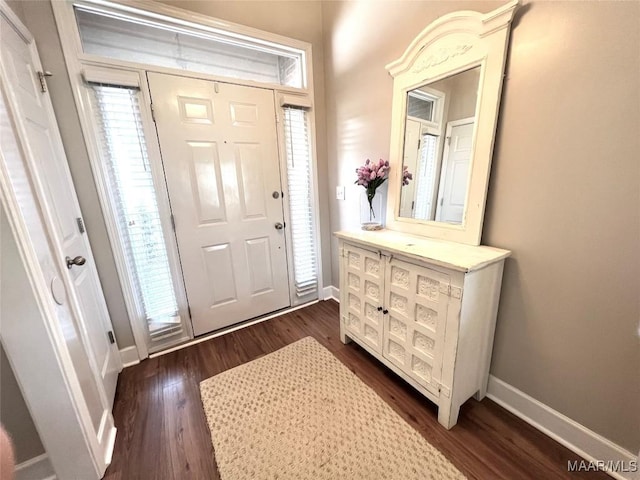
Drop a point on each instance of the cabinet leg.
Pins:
(344, 338)
(448, 415)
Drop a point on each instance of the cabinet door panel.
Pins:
(362, 294)
(417, 301)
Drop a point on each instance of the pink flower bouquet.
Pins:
(371, 175)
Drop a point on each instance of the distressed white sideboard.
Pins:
(425, 308)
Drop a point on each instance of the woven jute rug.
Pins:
(299, 413)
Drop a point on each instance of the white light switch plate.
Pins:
(340, 193)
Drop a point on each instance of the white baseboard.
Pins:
(576, 437)
(36, 468)
(331, 293)
(129, 356)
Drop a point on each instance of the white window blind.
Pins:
(142, 39)
(123, 151)
(426, 178)
(299, 181)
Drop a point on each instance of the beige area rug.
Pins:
(299, 413)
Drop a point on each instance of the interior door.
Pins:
(33, 112)
(220, 155)
(455, 168)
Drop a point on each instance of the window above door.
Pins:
(133, 34)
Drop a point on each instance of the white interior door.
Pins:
(455, 171)
(49, 171)
(220, 155)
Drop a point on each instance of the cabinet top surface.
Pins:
(440, 252)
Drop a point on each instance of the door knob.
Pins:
(79, 260)
(279, 226)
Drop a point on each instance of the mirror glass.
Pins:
(440, 121)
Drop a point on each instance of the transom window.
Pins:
(141, 39)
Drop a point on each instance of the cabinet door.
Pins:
(361, 292)
(417, 300)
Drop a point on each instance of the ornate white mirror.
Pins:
(446, 94)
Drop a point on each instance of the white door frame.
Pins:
(76, 61)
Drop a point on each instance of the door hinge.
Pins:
(112, 339)
(80, 224)
(153, 113)
(42, 76)
(173, 222)
(448, 140)
(189, 312)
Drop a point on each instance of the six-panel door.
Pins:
(362, 292)
(220, 156)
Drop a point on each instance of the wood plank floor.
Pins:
(162, 433)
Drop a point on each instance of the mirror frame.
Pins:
(452, 44)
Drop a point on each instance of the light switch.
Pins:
(340, 193)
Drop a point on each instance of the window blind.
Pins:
(144, 40)
(130, 183)
(426, 177)
(299, 181)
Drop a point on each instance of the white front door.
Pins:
(220, 155)
(49, 170)
(455, 171)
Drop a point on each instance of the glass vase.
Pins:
(372, 215)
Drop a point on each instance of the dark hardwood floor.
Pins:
(162, 433)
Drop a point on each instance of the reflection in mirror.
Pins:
(438, 144)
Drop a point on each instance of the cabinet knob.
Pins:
(385, 311)
(379, 309)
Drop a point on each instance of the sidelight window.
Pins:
(299, 180)
(133, 201)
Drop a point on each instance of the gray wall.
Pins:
(564, 192)
(14, 414)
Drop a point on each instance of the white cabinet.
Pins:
(425, 308)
